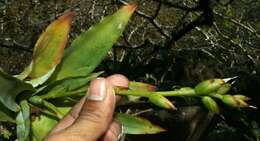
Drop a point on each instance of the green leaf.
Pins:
(11, 87)
(40, 80)
(88, 49)
(23, 121)
(46, 123)
(25, 73)
(49, 48)
(66, 87)
(137, 125)
(6, 114)
(41, 126)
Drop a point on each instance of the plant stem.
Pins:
(186, 91)
(179, 92)
(38, 101)
(53, 108)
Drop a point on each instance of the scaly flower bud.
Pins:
(242, 97)
(210, 104)
(141, 86)
(209, 86)
(235, 101)
(224, 88)
(161, 101)
(229, 100)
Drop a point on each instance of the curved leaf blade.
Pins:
(40, 80)
(25, 73)
(65, 87)
(137, 125)
(11, 87)
(23, 121)
(6, 114)
(49, 48)
(88, 49)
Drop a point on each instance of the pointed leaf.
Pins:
(23, 121)
(137, 125)
(88, 50)
(50, 46)
(10, 87)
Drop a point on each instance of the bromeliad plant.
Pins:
(46, 90)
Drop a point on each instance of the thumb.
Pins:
(97, 111)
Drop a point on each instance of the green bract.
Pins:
(210, 104)
(209, 86)
(161, 101)
(224, 88)
(140, 86)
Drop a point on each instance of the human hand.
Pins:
(92, 118)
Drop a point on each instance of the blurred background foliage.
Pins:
(169, 43)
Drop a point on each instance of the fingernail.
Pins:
(121, 130)
(97, 90)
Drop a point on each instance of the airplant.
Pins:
(57, 78)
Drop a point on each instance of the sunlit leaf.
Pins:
(25, 73)
(10, 87)
(88, 49)
(49, 48)
(41, 126)
(23, 121)
(40, 80)
(46, 123)
(137, 125)
(65, 87)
